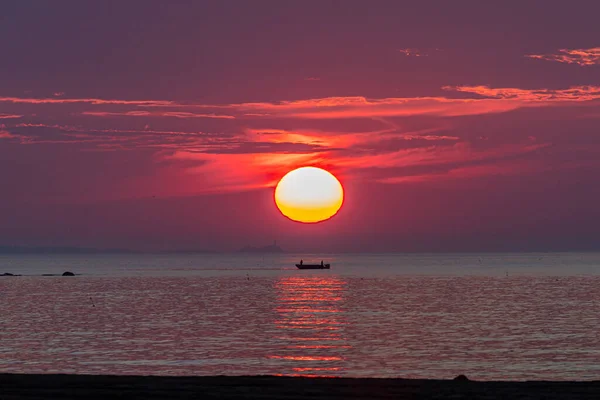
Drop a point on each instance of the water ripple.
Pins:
(300, 324)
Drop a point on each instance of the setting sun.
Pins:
(309, 194)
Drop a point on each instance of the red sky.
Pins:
(156, 126)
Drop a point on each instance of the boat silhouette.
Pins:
(312, 266)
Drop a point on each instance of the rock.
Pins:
(461, 378)
(7, 274)
(68, 273)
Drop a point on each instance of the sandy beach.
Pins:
(23, 386)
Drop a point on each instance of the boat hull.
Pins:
(312, 266)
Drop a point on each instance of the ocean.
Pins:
(519, 316)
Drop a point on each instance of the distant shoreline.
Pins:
(252, 251)
(40, 386)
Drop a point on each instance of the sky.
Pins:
(163, 126)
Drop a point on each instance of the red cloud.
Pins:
(393, 151)
(84, 100)
(175, 114)
(117, 114)
(583, 57)
(573, 94)
(6, 135)
(361, 107)
(498, 100)
(9, 116)
(413, 52)
(460, 160)
(464, 162)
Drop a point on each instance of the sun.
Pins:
(309, 195)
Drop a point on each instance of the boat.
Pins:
(313, 266)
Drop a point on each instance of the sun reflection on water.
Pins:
(310, 325)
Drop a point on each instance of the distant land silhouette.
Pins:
(273, 248)
(58, 250)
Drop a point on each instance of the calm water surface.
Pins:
(490, 316)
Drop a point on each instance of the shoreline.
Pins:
(66, 386)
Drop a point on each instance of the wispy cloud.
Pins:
(497, 100)
(572, 94)
(192, 142)
(31, 100)
(182, 114)
(117, 114)
(12, 136)
(146, 131)
(10, 116)
(174, 114)
(582, 57)
(460, 160)
(357, 135)
(450, 171)
(6, 135)
(260, 170)
(412, 52)
(362, 107)
(485, 100)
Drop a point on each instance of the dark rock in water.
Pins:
(461, 378)
(7, 274)
(67, 273)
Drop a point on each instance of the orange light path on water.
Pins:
(311, 321)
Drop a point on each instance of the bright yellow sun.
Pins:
(309, 194)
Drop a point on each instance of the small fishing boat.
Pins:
(313, 266)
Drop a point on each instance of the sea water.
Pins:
(489, 316)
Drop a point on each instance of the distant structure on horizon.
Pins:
(273, 248)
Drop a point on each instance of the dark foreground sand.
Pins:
(268, 387)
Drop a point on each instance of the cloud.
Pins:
(429, 137)
(436, 155)
(341, 140)
(572, 94)
(259, 170)
(416, 52)
(356, 136)
(582, 57)
(485, 100)
(460, 160)
(193, 142)
(496, 100)
(22, 100)
(182, 114)
(6, 135)
(429, 160)
(11, 136)
(10, 116)
(362, 107)
(71, 128)
(175, 114)
(117, 114)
